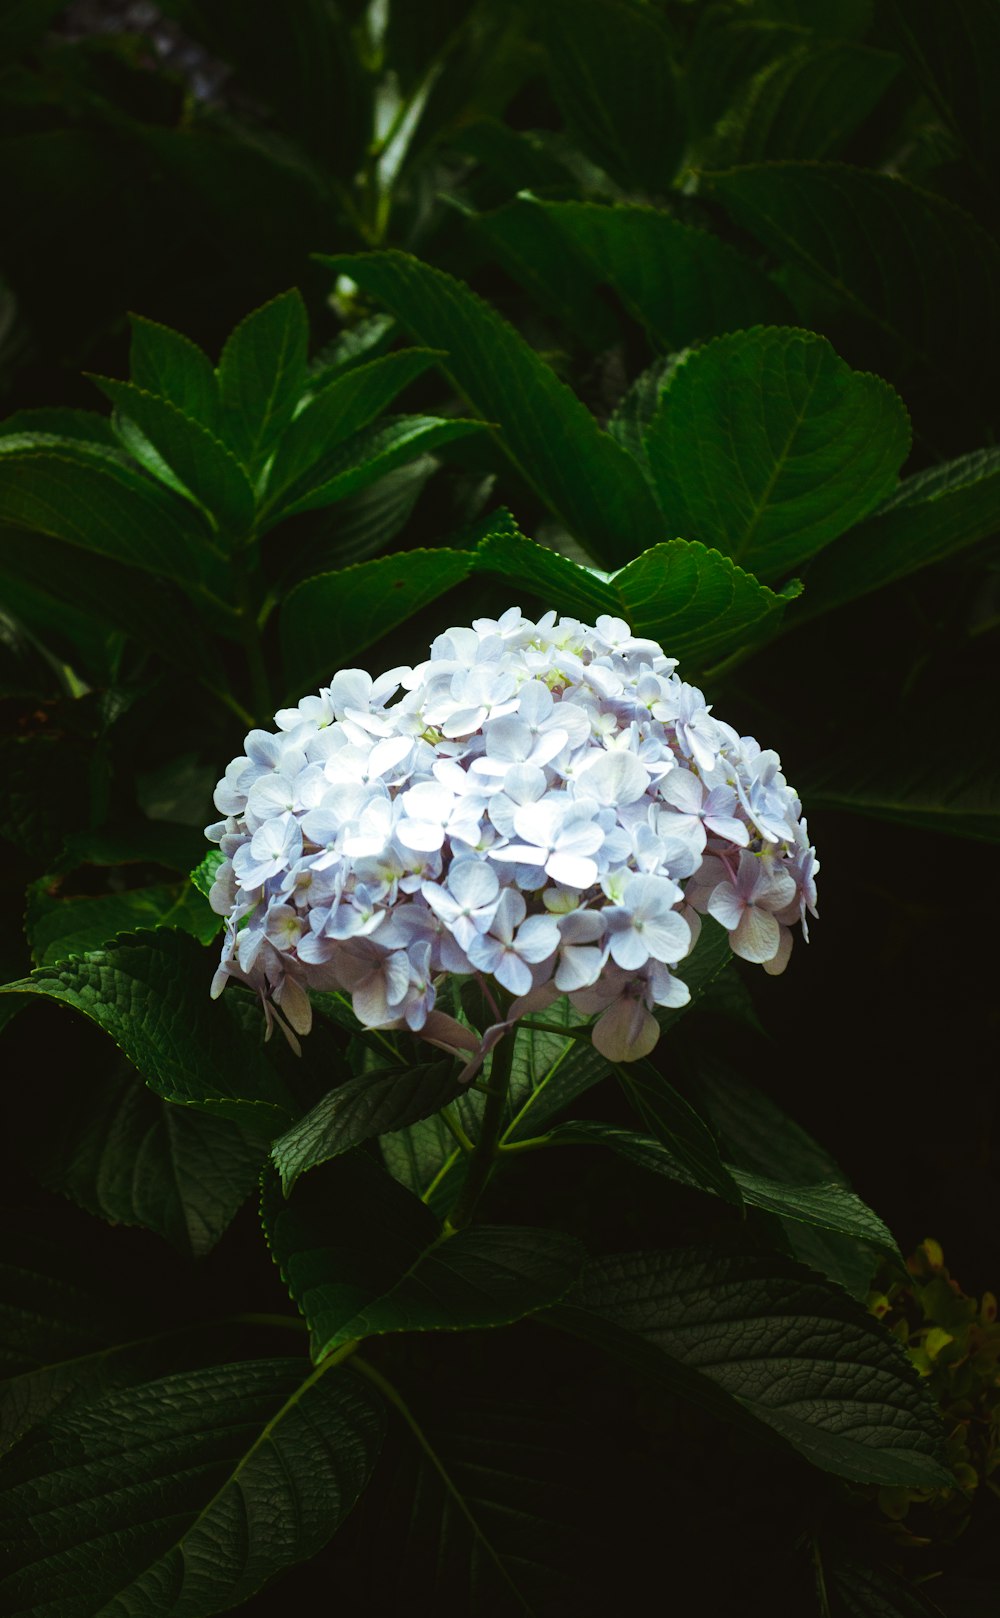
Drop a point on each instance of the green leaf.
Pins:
(796, 1352)
(551, 437)
(356, 345)
(328, 620)
(768, 446)
(807, 104)
(682, 284)
(345, 405)
(108, 595)
(612, 77)
(889, 253)
(363, 459)
(204, 467)
(59, 925)
(262, 374)
(959, 798)
(695, 602)
(954, 56)
(164, 362)
(204, 874)
(367, 522)
(132, 1158)
(829, 1206)
(150, 993)
(194, 1489)
(363, 1257)
(492, 1511)
(929, 517)
(877, 1592)
(373, 1103)
(673, 1122)
(549, 268)
(84, 425)
(110, 510)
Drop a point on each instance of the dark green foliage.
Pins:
(390, 317)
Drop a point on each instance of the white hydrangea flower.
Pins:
(545, 805)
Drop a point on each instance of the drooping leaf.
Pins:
(682, 284)
(328, 620)
(611, 73)
(768, 446)
(364, 458)
(107, 593)
(673, 1122)
(372, 1103)
(110, 510)
(954, 56)
(164, 362)
(887, 252)
(149, 991)
(796, 1352)
(338, 410)
(363, 1257)
(194, 1489)
(60, 925)
(768, 1146)
(262, 374)
(959, 799)
(694, 601)
(807, 104)
(202, 465)
(553, 440)
(132, 1158)
(929, 517)
(362, 524)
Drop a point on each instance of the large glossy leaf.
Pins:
(673, 1122)
(345, 405)
(768, 446)
(364, 458)
(184, 1494)
(492, 1511)
(149, 991)
(611, 73)
(889, 253)
(697, 603)
(959, 798)
(373, 1103)
(929, 517)
(132, 1158)
(328, 620)
(164, 362)
(796, 1352)
(262, 373)
(682, 284)
(551, 437)
(363, 1257)
(202, 465)
(108, 509)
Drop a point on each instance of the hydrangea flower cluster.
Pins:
(545, 805)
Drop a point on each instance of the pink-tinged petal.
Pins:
(776, 965)
(776, 890)
(542, 995)
(757, 937)
(449, 1035)
(726, 906)
(572, 870)
(295, 1004)
(626, 1031)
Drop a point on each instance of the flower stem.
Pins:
(485, 1151)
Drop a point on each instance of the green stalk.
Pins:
(484, 1155)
